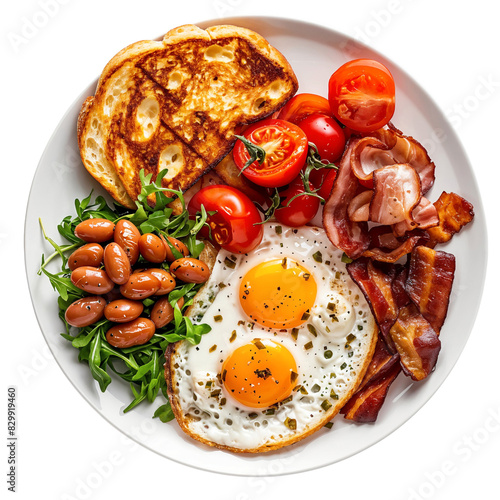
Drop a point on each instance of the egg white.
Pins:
(330, 348)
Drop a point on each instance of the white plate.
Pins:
(314, 52)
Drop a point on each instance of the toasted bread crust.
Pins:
(203, 85)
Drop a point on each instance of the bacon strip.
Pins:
(389, 146)
(396, 192)
(412, 239)
(454, 212)
(430, 279)
(351, 237)
(416, 342)
(376, 287)
(365, 404)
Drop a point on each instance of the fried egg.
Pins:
(291, 337)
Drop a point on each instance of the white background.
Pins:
(449, 449)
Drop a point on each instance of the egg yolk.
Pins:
(278, 293)
(259, 374)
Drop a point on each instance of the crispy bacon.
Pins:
(406, 245)
(376, 287)
(454, 212)
(364, 405)
(350, 236)
(398, 286)
(408, 304)
(430, 278)
(416, 341)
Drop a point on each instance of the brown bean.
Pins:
(95, 230)
(167, 281)
(152, 248)
(177, 244)
(136, 332)
(162, 313)
(123, 310)
(140, 286)
(85, 311)
(116, 263)
(90, 254)
(92, 280)
(190, 270)
(127, 236)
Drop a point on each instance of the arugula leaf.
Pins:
(94, 363)
(164, 413)
(62, 284)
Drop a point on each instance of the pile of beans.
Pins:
(107, 268)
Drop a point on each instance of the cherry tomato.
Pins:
(95, 230)
(301, 210)
(302, 105)
(236, 224)
(326, 134)
(362, 95)
(286, 149)
(327, 183)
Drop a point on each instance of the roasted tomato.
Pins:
(302, 105)
(362, 95)
(326, 134)
(299, 211)
(285, 147)
(234, 225)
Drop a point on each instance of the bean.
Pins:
(92, 280)
(127, 236)
(152, 248)
(162, 313)
(85, 311)
(190, 270)
(167, 281)
(123, 310)
(116, 263)
(90, 254)
(95, 230)
(140, 286)
(177, 244)
(136, 332)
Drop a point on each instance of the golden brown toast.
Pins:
(177, 104)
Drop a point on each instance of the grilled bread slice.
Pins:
(177, 104)
(217, 80)
(137, 139)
